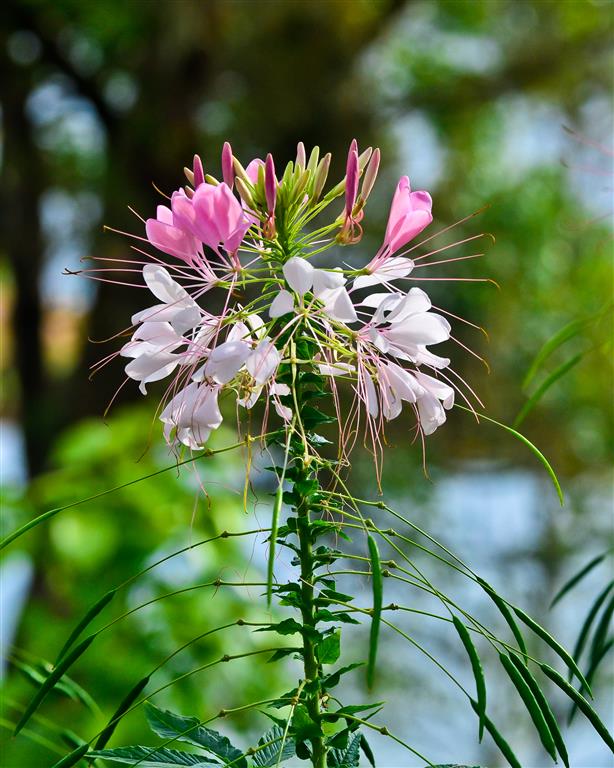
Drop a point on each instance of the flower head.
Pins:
(269, 307)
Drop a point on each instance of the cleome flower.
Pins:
(236, 286)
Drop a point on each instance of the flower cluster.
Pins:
(237, 285)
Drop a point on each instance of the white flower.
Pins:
(327, 286)
(390, 269)
(437, 397)
(193, 413)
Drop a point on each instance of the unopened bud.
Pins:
(244, 191)
(211, 180)
(189, 175)
(321, 176)
(313, 159)
(363, 159)
(189, 192)
(199, 173)
(300, 155)
(370, 175)
(240, 172)
(270, 184)
(228, 173)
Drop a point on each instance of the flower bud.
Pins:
(370, 176)
(240, 172)
(300, 155)
(270, 184)
(244, 191)
(351, 178)
(189, 175)
(313, 159)
(211, 179)
(199, 173)
(228, 173)
(321, 176)
(364, 158)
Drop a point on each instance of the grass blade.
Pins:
(577, 577)
(530, 702)
(546, 464)
(581, 702)
(376, 616)
(590, 673)
(478, 672)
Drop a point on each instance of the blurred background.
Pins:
(504, 105)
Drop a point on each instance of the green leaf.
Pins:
(54, 676)
(376, 616)
(553, 377)
(168, 725)
(329, 648)
(577, 577)
(270, 755)
(330, 681)
(303, 727)
(478, 672)
(345, 758)
(507, 615)
(73, 758)
(125, 704)
(501, 743)
(560, 337)
(531, 704)
(87, 619)
(529, 444)
(367, 751)
(590, 673)
(543, 704)
(581, 702)
(588, 621)
(150, 757)
(554, 644)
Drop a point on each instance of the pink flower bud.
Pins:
(228, 173)
(410, 213)
(300, 155)
(270, 184)
(351, 178)
(199, 172)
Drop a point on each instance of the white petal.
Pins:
(324, 279)
(151, 367)
(437, 388)
(337, 369)
(431, 413)
(369, 394)
(338, 305)
(162, 285)
(283, 411)
(256, 324)
(281, 304)
(413, 303)
(423, 328)
(299, 274)
(263, 361)
(279, 389)
(226, 360)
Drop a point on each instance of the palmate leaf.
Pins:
(348, 757)
(168, 725)
(276, 750)
(150, 757)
